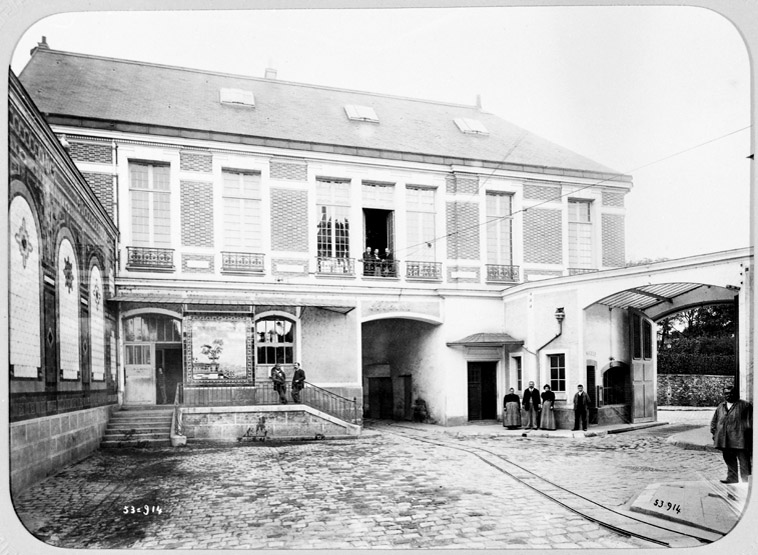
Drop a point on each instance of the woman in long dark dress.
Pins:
(511, 410)
(547, 418)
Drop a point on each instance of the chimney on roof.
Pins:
(42, 44)
(270, 73)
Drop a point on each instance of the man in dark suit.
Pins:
(298, 382)
(531, 404)
(581, 407)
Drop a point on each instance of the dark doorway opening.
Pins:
(482, 390)
(380, 399)
(378, 226)
(170, 359)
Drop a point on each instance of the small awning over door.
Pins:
(486, 340)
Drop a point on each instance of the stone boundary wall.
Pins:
(43, 446)
(231, 423)
(691, 390)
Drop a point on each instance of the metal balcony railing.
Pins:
(502, 273)
(578, 271)
(380, 268)
(242, 262)
(335, 265)
(423, 270)
(149, 258)
(264, 394)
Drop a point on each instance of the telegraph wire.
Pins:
(573, 191)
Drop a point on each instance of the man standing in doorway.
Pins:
(298, 382)
(161, 378)
(732, 431)
(280, 383)
(581, 407)
(531, 404)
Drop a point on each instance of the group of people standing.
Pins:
(378, 264)
(539, 408)
(280, 383)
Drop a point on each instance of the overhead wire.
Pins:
(572, 192)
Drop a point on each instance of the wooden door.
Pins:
(380, 397)
(643, 369)
(139, 375)
(482, 390)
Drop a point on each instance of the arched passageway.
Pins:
(397, 357)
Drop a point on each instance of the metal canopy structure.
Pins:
(486, 340)
(233, 299)
(648, 296)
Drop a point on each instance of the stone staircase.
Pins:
(139, 426)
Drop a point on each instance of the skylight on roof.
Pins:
(471, 126)
(237, 96)
(361, 113)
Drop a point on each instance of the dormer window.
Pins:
(238, 97)
(471, 126)
(361, 113)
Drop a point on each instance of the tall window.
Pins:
(580, 234)
(149, 190)
(333, 200)
(499, 239)
(242, 211)
(420, 215)
(519, 374)
(557, 372)
(275, 340)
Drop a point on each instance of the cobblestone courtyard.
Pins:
(382, 490)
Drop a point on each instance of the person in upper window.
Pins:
(368, 262)
(732, 431)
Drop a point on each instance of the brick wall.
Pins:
(91, 152)
(102, 186)
(614, 240)
(543, 238)
(463, 229)
(197, 214)
(288, 169)
(691, 390)
(542, 191)
(196, 161)
(289, 220)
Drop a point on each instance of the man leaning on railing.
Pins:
(298, 382)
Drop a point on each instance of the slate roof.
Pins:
(112, 90)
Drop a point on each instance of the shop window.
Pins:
(153, 328)
(275, 341)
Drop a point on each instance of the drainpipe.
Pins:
(559, 315)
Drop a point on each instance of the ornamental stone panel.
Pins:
(542, 191)
(543, 237)
(289, 220)
(463, 230)
(91, 152)
(196, 161)
(613, 198)
(197, 214)
(102, 186)
(287, 169)
(614, 240)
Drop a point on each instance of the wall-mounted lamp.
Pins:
(559, 314)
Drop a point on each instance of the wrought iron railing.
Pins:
(24, 406)
(264, 394)
(242, 262)
(423, 270)
(380, 268)
(502, 272)
(579, 271)
(335, 265)
(149, 258)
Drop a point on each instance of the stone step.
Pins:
(121, 424)
(113, 444)
(158, 421)
(151, 430)
(115, 436)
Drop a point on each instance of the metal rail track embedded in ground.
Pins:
(611, 519)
